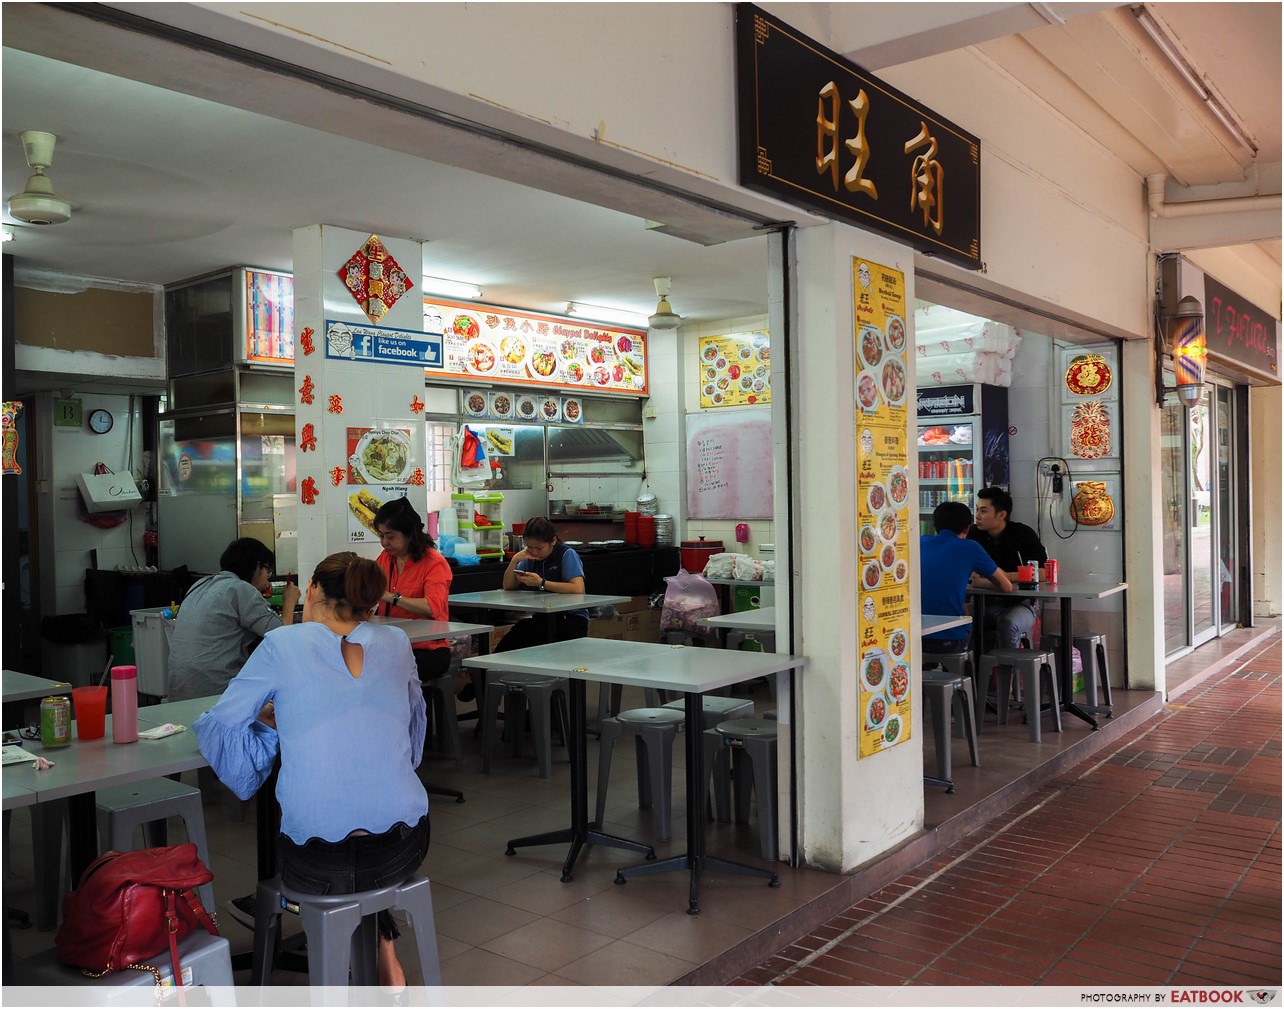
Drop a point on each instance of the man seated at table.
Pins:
(948, 562)
(1010, 544)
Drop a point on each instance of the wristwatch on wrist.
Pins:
(396, 598)
(542, 583)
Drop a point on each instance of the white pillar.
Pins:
(371, 395)
(852, 809)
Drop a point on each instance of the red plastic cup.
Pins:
(91, 711)
(646, 530)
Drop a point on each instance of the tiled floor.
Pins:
(511, 921)
(1157, 861)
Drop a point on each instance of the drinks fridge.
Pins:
(962, 445)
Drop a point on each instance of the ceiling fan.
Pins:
(38, 203)
(665, 317)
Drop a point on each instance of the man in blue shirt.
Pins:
(948, 562)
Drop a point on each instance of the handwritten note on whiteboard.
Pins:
(729, 465)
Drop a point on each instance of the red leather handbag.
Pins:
(130, 906)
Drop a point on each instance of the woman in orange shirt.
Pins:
(418, 580)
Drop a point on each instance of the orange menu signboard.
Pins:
(882, 507)
(514, 347)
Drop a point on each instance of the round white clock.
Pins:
(100, 421)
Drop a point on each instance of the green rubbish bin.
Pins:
(122, 646)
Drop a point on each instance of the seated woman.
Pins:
(418, 579)
(545, 564)
(340, 700)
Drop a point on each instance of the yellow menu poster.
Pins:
(735, 370)
(883, 515)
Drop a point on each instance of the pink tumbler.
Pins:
(124, 704)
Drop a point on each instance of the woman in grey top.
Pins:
(222, 617)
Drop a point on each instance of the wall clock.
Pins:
(100, 421)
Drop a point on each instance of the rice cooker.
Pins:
(696, 553)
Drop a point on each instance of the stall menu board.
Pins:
(381, 467)
(513, 347)
(269, 317)
(735, 370)
(884, 521)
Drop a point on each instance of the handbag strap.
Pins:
(171, 926)
(198, 909)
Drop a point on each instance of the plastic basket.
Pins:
(151, 650)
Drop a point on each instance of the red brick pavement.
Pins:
(1155, 862)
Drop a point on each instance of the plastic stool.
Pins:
(716, 709)
(342, 931)
(207, 957)
(439, 692)
(540, 693)
(149, 804)
(753, 739)
(959, 663)
(1037, 668)
(943, 691)
(654, 729)
(1092, 651)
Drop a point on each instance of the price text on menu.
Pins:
(882, 507)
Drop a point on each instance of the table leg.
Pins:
(82, 834)
(1065, 662)
(695, 860)
(580, 832)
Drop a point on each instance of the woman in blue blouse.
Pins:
(545, 564)
(340, 699)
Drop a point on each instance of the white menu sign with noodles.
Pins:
(507, 346)
(884, 519)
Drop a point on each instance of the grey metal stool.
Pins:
(1092, 651)
(959, 663)
(942, 691)
(342, 930)
(654, 729)
(1038, 669)
(148, 804)
(726, 748)
(539, 693)
(716, 709)
(204, 959)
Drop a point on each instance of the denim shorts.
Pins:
(360, 862)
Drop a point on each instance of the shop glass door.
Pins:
(1228, 566)
(1175, 506)
(1203, 571)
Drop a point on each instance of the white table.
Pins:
(690, 671)
(419, 631)
(84, 766)
(746, 620)
(934, 622)
(1066, 590)
(24, 687)
(530, 601)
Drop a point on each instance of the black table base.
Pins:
(695, 860)
(581, 831)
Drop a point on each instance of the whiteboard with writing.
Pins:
(729, 464)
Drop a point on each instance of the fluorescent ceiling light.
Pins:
(600, 313)
(451, 288)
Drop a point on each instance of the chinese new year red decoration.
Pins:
(336, 404)
(416, 478)
(305, 340)
(307, 439)
(374, 278)
(416, 405)
(10, 416)
(306, 391)
(337, 475)
(308, 491)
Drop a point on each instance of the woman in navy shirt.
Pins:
(545, 564)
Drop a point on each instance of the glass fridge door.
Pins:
(948, 461)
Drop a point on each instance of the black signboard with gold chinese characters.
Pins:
(817, 131)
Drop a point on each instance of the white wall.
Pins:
(1264, 420)
(62, 453)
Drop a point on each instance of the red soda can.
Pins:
(1050, 568)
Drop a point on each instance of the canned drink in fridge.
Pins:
(55, 721)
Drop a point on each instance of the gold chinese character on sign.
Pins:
(827, 140)
(927, 188)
